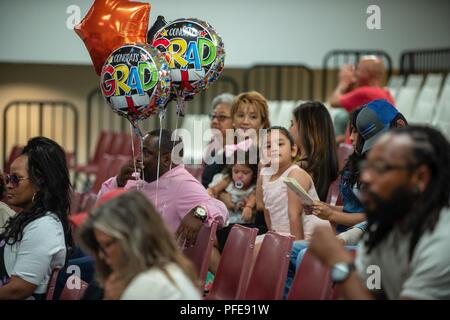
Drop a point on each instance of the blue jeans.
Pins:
(298, 249)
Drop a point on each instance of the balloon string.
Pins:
(142, 165)
(176, 127)
(134, 126)
(159, 160)
(133, 151)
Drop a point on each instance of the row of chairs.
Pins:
(82, 202)
(238, 278)
(109, 143)
(424, 100)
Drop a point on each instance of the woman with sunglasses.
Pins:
(35, 240)
(136, 256)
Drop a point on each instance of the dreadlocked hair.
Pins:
(430, 148)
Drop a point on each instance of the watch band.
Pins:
(338, 275)
(200, 213)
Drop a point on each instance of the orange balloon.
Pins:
(110, 24)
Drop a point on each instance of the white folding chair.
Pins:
(274, 111)
(285, 113)
(408, 95)
(424, 109)
(394, 84)
(442, 117)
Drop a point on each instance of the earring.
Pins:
(416, 190)
(32, 199)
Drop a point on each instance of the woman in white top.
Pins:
(35, 240)
(136, 255)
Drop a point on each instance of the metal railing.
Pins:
(425, 61)
(57, 120)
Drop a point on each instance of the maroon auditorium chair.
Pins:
(234, 267)
(269, 273)
(200, 253)
(312, 280)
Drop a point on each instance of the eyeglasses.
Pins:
(13, 179)
(106, 246)
(220, 117)
(381, 167)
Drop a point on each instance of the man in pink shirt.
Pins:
(359, 86)
(181, 200)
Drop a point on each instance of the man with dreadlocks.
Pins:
(406, 193)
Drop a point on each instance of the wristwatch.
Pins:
(200, 213)
(341, 271)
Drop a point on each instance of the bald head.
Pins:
(370, 71)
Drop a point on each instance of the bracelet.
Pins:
(248, 206)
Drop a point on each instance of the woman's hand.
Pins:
(247, 214)
(346, 76)
(322, 210)
(211, 192)
(225, 197)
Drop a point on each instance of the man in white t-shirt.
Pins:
(406, 194)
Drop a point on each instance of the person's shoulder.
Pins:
(180, 173)
(298, 173)
(437, 239)
(157, 280)
(6, 210)
(443, 223)
(147, 276)
(48, 217)
(47, 222)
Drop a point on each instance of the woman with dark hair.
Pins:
(351, 213)
(136, 255)
(313, 132)
(35, 240)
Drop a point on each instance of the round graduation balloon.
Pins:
(135, 81)
(195, 53)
